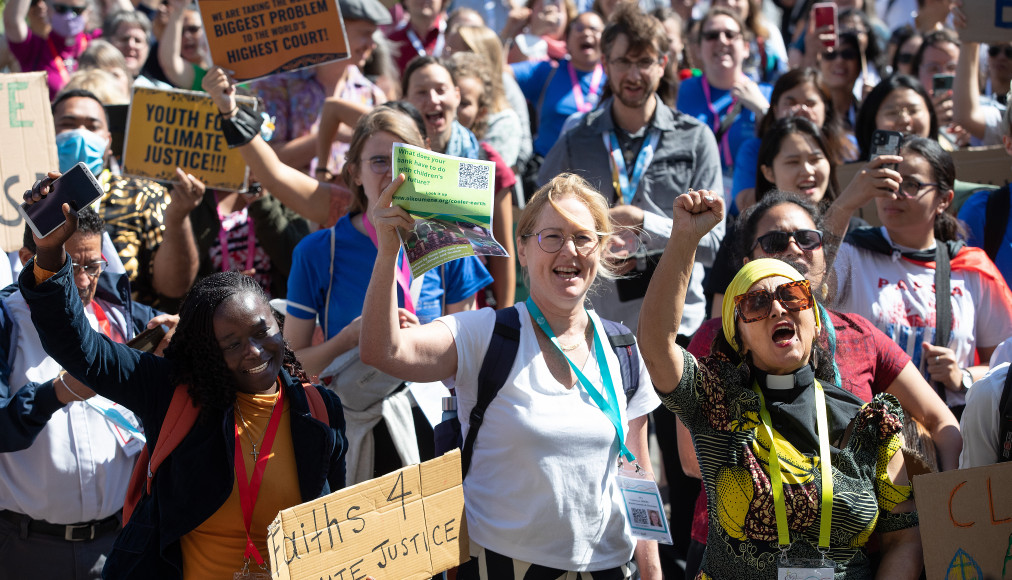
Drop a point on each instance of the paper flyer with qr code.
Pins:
(451, 200)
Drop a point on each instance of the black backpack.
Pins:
(495, 368)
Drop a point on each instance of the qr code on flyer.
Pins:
(472, 176)
(639, 517)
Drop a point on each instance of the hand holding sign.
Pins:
(220, 88)
(387, 217)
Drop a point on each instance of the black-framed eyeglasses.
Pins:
(712, 35)
(757, 305)
(845, 54)
(551, 240)
(92, 269)
(994, 51)
(64, 8)
(776, 242)
(913, 188)
(379, 164)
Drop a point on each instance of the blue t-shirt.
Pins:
(692, 101)
(973, 212)
(746, 168)
(354, 256)
(559, 102)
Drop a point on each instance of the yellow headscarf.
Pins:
(751, 273)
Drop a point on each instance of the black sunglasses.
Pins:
(776, 242)
(905, 58)
(994, 51)
(845, 54)
(63, 9)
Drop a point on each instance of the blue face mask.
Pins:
(81, 145)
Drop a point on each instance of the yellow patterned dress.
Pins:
(716, 402)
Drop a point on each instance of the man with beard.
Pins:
(65, 454)
(641, 154)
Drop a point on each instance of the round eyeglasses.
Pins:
(551, 240)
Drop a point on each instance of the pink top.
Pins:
(52, 55)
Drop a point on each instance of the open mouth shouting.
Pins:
(784, 334)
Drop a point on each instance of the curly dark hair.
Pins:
(198, 359)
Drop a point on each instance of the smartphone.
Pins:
(886, 143)
(824, 14)
(148, 340)
(941, 84)
(77, 187)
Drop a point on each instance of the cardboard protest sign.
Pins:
(27, 146)
(170, 128)
(407, 525)
(988, 21)
(966, 522)
(256, 38)
(452, 199)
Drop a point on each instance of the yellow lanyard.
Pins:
(776, 479)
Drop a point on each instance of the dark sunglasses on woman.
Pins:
(63, 9)
(776, 242)
(757, 305)
(845, 54)
(994, 51)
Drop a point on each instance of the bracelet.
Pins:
(242, 127)
(59, 377)
(229, 114)
(327, 173)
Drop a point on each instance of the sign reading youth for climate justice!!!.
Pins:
(256, 38)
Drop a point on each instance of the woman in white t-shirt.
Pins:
(541, 492)
(888, 274)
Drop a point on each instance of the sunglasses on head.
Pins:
(845, 54)
(63, 9)
(757, 305)
(994, 51)
(776, 242)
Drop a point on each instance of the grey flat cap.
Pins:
(370, 10)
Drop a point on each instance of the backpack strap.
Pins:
(623, 342)
(317, 408)
(1005, 420)
(996, 220)
(495, 368)
(943, 308)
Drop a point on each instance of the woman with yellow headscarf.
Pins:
(799, 471)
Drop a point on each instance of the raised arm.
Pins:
(872, 181)
(308, 197)
(966, 109)
(179, 72)
(335, 115)
(15, 25)
(176, 260)
(694, 214)
(418, 353)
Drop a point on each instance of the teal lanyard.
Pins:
(610, 407)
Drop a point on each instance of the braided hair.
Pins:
(198, 359)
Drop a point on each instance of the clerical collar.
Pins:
(801, 378)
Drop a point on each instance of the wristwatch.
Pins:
(967, 381)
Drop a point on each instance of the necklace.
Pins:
(577, 344)
(254, 453)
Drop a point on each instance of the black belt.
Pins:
(70, 532)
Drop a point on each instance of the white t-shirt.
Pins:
(541, 487)
(980, 423)
(898, 296)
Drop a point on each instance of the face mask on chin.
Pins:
(81, 145)
(67, 25)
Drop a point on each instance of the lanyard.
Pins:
(582, 105)
(226, 259)
(61, 67)
(103, 323)
(248, 490)
(725, 143)
(625, 189)
(403, 271)
(776, 481)
(416, 43)
(610, 407)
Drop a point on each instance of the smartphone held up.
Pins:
(77, 187)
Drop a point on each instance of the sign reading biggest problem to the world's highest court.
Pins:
(256, 38)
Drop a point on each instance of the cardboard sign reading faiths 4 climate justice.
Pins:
(966, 522)
(256, 38)
(27, 147)
(170, 128)
(408, 525)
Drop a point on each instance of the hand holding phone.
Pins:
(43, 205)
(886, 143)
(941, 84)
(825, 17)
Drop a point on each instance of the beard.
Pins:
(634, 103)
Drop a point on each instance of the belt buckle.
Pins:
(68, 534)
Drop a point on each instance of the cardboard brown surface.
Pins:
(256, 38)
(987, 21)
(966, 522)
(27, 147)
(172, 128)
(405, 525)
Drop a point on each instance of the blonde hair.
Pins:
(560, 187)
(99, 82)
(381, 119)
(470, 65)
(483, 41)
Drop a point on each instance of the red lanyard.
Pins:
(595, 83)
(103, 323)
(403, 271)
(248, 491)
(226, 259)
(61, 67)
(725, 145)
